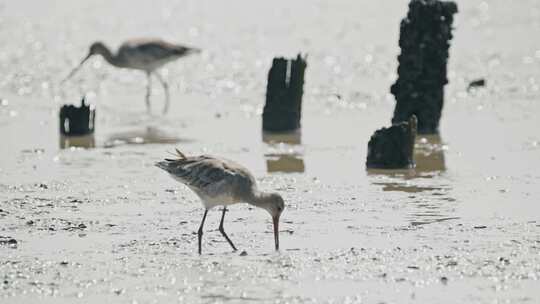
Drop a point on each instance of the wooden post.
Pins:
(393, 147)
(283, 107)
(425, 36)
(77, 121)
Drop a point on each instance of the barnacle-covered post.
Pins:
(393, 147)
(425, 36)
(283, 107)
(77, 121)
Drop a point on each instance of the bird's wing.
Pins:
(150, 50)
(199, 172)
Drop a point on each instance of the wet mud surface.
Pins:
(91, 219)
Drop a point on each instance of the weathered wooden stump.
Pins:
(393, 147)
(425, 36)
(283, 107)
(77, 121)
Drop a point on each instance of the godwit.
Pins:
(220, 182)
(147, 55)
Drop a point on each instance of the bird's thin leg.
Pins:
(200, 233)
(166, 90)
(223, 231)
(148, 91)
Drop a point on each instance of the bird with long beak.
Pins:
(146, 55)
(221, 182)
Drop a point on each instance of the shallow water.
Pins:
(103, 224)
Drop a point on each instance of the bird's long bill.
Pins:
(77, 68)
(276, 231)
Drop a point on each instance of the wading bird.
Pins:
(146, 55)
(220, 182)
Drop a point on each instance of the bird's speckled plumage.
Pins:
(149, 54)
(216, 181)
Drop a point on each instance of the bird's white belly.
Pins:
(220, 200)
(147, 65)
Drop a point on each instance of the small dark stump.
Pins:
(393, 147)
(283, 107)
(76, 121)
(425, 36)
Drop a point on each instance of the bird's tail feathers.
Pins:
(178, 154)
(169, 163)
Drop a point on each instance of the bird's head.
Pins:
(275, 205)
(97, 48)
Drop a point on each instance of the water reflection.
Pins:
(284, 163)
(435, 208)
(291, 138)
(285, 152)
(426, 218)
(149, 135)
(429, 154)
(83, 141)
(428, 193)
(405, 187)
